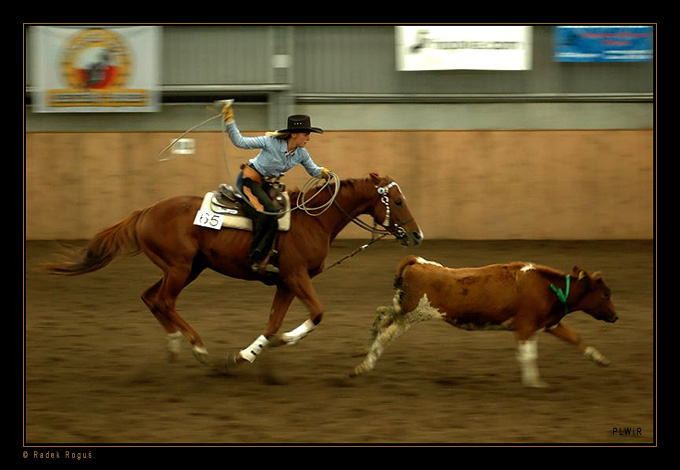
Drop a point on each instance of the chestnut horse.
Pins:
(166, 233)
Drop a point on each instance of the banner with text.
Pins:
(603, 43)
(98, 69)
(463, 47)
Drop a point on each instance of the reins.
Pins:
(383, 191)
(358, 250)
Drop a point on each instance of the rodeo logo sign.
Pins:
(96, 69)
(421, 48)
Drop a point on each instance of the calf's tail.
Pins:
(405, 263)
(118, 240)
(398, 281)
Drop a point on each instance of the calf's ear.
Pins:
(579, 273)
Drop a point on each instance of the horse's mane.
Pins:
(358, 184)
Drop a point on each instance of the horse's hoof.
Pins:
(233, 360)
(201, 354)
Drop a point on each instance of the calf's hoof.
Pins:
(535, 384)
(595, 356)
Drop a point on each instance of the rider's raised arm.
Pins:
(244, 142)
(235, 135)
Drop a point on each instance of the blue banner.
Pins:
(603, 43)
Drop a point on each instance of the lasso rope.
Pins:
(165, 159)
(308, 186)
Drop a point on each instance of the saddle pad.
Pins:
(242, 222)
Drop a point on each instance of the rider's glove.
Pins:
(227, 113)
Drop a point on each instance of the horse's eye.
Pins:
(398, 202)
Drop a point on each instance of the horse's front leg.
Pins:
(301, 286)
(282, 300)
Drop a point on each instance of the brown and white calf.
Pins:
(521, 297)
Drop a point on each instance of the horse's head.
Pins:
(597, 300)
(391, 211)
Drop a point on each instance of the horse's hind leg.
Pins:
(174, 336)
(161, 298)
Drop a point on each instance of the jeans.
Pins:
(264, 225)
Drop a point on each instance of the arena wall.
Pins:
(462, 184)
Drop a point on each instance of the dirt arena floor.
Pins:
(96, 370)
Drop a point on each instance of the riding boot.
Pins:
(265, 267)
(265, 226)
(264, 232)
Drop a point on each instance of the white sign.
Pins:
(209, 219)
(96, 69)
(184, 147)
(463, 47)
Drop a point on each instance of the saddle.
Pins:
(230, 203)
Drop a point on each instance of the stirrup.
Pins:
(264, 268)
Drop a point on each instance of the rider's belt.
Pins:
(249, 171)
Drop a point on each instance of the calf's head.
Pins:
(596, 300)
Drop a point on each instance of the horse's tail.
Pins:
(118, 240)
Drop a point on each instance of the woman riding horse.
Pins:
(279, 152)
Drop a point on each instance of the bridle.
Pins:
(383, 191)
(399, 231)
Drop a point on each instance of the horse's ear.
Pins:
(375, 177)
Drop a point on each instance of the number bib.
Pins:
(209, 219)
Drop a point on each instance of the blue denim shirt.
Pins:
(273, 159)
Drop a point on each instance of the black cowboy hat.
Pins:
(300, 123)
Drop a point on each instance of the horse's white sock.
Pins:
(298, 333)
(251, 352)
(174, 342)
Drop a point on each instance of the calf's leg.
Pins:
(389, 325)
(527, 353)
(572, 337)
(383, 334)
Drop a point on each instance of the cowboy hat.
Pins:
(300, 123)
